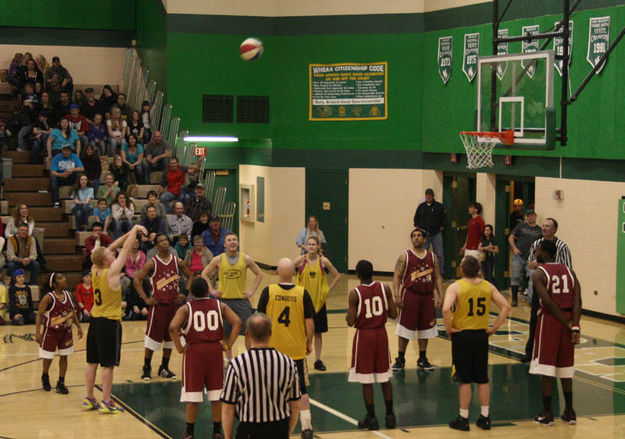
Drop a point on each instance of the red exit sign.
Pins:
(199, 151)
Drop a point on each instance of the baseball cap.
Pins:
(429, 191)
(18, 272)
(72, 106)
(199, 185)
(517, 202)
(67, 145)
(530, 212)
(55, 58)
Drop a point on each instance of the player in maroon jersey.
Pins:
(164, 270)
(421, 292)
(369, 305)
(557, 330)
(56, 314)
(201, 321)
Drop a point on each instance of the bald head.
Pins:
(258, 327)
(286, 270)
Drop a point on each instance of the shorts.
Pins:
(554, 352)
(371, 359)
(53, 340)
(253, 430)
(469, 352)
(321, 320)
(302, 374)
(242, 308)
(417, 314)
(157, 329)
(104, 342)
(475, 253)
(202, 368)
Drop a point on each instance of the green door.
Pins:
(502, 231)
(326, 198)
(458, 193)
(229, 179)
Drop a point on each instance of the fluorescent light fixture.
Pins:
(210, 139)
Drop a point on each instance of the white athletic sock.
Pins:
(484, 410)
(464, 413)
(305, 419)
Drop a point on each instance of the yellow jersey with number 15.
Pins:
(107, 302)
(285, 308)
(472, 306)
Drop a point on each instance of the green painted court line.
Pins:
(336, 311)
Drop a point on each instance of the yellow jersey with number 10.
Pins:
(285, 308)
(472, 306)
(107, 302)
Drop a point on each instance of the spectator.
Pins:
(521, 239)
(61, 104)
(153, 201)
(311, 230)
(431, 216)
(98, 134)
(63, 171)
(90, 107)
(3, 260)
(154, 225)
(157, 155)
(45, 104)
(120, 172)
(82, 196)
(109, 190)
(171, 183)
(116, 127)
(182, 245)
(94, 241)
(191, 177)
(54, 91)
(516, 216)
(21, 308)
(4, 304)
(123, 212)
(178, 224)
(201, 225)
(103, 214)
(197, 204)
(135, 126)
(146, 120)
(41, 130)
(474, 232)
(29, 97)
(488, 248)
(31, 74)
(93, 166)
(126, 111)
(107, 99)
(4, 135)
(198, 256)
(136, 307)
(79, 97)
(22, 253)
(42, 63)
(14, 67)
(78, 122)
(214, 236)
(132, 154)
(20, 216)
(84, 297)
(62, 137)
(60, 74)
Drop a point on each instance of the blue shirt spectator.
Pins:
(58, 139)
(102, 214)
(61, 163)
(85, 194)
(214, 236)
(132, 157)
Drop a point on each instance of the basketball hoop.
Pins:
(479, 146)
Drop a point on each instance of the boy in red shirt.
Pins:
(171, 184)
(474, 233)
(84, 297)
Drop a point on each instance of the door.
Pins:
(327, 198)
(228, 179)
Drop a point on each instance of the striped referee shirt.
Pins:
(260, 383)
(563, 255)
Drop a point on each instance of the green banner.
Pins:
(445, 55)
(502, 49)
(348, 91)
(471, 55)
(558, 48)
(620, 258)
(530, 47)
(598, 40)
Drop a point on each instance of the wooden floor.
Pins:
(29, 412)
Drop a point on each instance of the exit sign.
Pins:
(199, 151)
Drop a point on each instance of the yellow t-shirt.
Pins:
(472, 306)
(313, 278)
(107, 301)
(285, 308)
(4, 300)
(232, 277)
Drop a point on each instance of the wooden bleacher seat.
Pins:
(143, 189)
(80, 238)
(4, 207)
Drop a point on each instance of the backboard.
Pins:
(515, 92)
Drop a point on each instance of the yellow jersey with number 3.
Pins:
(107, 302)
(472, 306)
(285, 308)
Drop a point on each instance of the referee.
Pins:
(251, 378)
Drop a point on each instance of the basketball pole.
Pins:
(564, 101)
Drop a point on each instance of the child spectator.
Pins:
(201, 225)
(191, 177)
(109, 190)
(78, 122)
(39, 135)
(123, 212)
(98, 134)
(96, 240)
(103, 214)
(93, 166)
(20, 300)
(82, 196)
(120, 172)
(137, 308)
(146, 119)
(116, 130)
(488, 246)
(135, 126)
(153, 201)
(183, 245)
(84, 297)
(56, 313)
(4, 304)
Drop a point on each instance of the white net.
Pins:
(479, 150)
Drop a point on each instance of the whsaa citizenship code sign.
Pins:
(348, 91)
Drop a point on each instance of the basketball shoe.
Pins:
(45, 382)
(146, 374)
(163, 372)
(460, 423)
(390, 420)
(569, 416)
(90, 404)
(544, 418)
(483, 422)
(424, 364)
(369, 423)
(61, 388)
(400, 363)
(109, 408)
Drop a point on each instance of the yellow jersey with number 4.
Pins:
(472, 306)
(285, 308)
(107, 302)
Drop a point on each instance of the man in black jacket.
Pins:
(431, 216)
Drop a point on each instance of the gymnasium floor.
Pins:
(424, 402)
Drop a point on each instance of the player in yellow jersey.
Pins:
(311, 275)
(291, 311)
(466, 310)
(105, 330)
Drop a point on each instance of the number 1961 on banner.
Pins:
(199, 151)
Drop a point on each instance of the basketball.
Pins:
(251, 49)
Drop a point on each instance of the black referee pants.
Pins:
(263, 430)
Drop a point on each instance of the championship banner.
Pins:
(471, 55)
(530, 47)
(558, 48)
(502, 49)
(445, 56)
(598, 40)
(348, 91)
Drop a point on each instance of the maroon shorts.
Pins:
(53, 340)
(417, 314)
(202, 368)
(371, 359)
(157, 330)
(554, 351)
